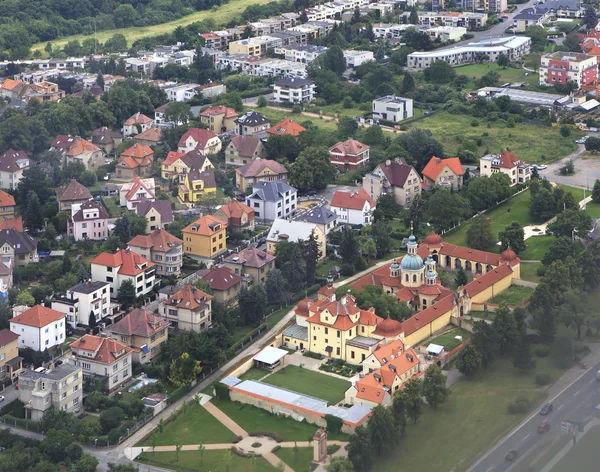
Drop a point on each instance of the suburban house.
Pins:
(58, 387)
(219, 119)
(143, 332)
(177, 164)
(106, 139)
(294, 231)
(349, 155)
(396, 178)
(158, 214)
(162, 248)
(237, 215)
(137, 161)
(103, 359)
(137, 124)
(272, 200)
(39, 328)
(10, 362)
(251, 262)
(188, 308)
(205, 238)
(323, 217)
(12, 165)
(77, 149)
(529, 17)
(150, 137)
(18, 248)
(259, 170)
(506, 163)
(286, 126)
(392, 108)
(353, 208)
(199, 139)
(294, 90)
(73, 193)
(137, 191)
(244, 149)
(196, 184)
(83, 300)
(7, 205)
(89, 220)
(253, 123)
(445, 172)
(121, 266)
(161, 120)
(224, 284)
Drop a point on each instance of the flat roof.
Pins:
(363, 341)
(435, 348)
(270, 355)
(297, 332)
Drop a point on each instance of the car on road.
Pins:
(546, 409)
(57, 363)
(543, 427)
(511, 455)
(539, 166)
(2, 398)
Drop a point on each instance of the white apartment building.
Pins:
(39, 328)
(12, 165)
(392, 108)
(471, 21)
(280, 68)
(300, 53)
(390, 30)
(356, 58)
(89, 220)
(82, 300)
(272, 200)
(447, 33)
(181, 93)
(294, 90)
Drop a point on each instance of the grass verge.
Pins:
(448, 338)
(299, 461)
(214, 461)
(512, 296)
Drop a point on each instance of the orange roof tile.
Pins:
(235, 209)
(128, 262)
(160, 240)
(12, 223)
(437, 165)
(352, 200)
(10, 84)
(205, 226)
(350, 147)
(6, 200)
(107, 350)
(138, 151)
(189, 298)
(138, 119)
(487, 280)
(220, 110)
(172, 157)
(286, 126)
(151, 134)
(38, 316)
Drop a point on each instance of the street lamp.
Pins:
(96, 442)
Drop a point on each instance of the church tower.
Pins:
(411, 267)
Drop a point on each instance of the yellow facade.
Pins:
(180, 169)
(426, 331)
(8, 352)
(218, 123)
(206, 245)
(192, 191)
(492, 291)
(244, 47)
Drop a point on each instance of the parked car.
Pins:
(539, 166)
(543, 427)
(511, 455)
(546, 409)
(1, 398)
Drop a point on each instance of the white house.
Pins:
(82, 300)
(138, 190)
(39, 328)
(203, 140)
(272, 200)
(294, 90)
(392, 108)
(356, 58)
(89, 220)
(354, 208)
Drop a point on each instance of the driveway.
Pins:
(586, 170)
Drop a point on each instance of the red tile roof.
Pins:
(235, 209)
(286, 126)
(220, 278)
(189, 298)
(350, 147)
(245, 145)
(258, 165)
(199, 135)
(479, 284)
(138, 183)
(139, 322)
(137, 119)
(12, 223)
(388, 328)
(107, 350)
(128, 262)
(436, 165)
(73, 145)
(220, 110)
(73, 191)
(7, 336)
(352, 200)
(205, 226)
(172, 157)
(396, 172)
(160, 240)
(38, 316)
(153, 135)
(508, 160)
(6, 200)
(138, 151)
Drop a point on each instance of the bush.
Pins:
(246, 455)
(275, 449)
(114, 435)
(237, 439)
(474, 123)
(222, 391)
(334, 424)
(543, 378)
(519, 406)
(313, 355)
(348, 270)
(541, 351)
(111, 419)
(269, 434)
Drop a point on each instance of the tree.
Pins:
(421, 145)
(461, 278)
(505, 329)
(126, 294)
(468, 361)
(381, 426)
(408, 83)
(479, 234)
(503, 61)
(574, 311)
(484, 340)
(87, 463)
(439, 72)
(374, 136)
(446, 209)
(513, 236)
(592, 144)
(542, 206)
(55, 444)
(381, 234)
(538, 37)
(312, 169)
(74, 452)
(334, 60)
(399, 410)
(92, 320)
(25, 298)
(560, 248)
(177, 112)
(413, 18)
(123, 229)
(184, 370)
(569, 222)
(33, 218)
(253, 304)
(434, 386)
(178, 447)
(349, 247)
(414, 396)
(571, 42)
(339, 464)
(489, 80)
(523, 356)
(274, 285)
(590, 18)
(360, 451)
(347, 127)
(596, 191)
(261, 102)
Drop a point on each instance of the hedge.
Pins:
(519, 406)
(269, 434)
(222, 391)
(178, 394)
(334, 424)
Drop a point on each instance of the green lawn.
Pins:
(112, 205)
(512, 296)
(195, 426)
(252, 418)
(473, 419)
(476, 71)
(309, 382)
(324, 268)
(593, 209)
(213, 461)
(529, 271)
(528, 141)
(299, 461)
(254, 374)
(278, 115)
(537, 247)
(448, 338)
(584, 456)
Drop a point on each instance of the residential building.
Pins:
(158, 214)
(355, 58)
(294, 231)
(301, 53)
(205, 238)
(150, 137)
(89, 220)
(286, 126)
(211, 90)
(160, 119)
(323, 217)
(251, 262)
(225, 286)
(253, 123)
(219, 119)
(353, 208)
(349, 155)
(143, 332)
(73, 193)
(121, 266)
(393, 177)
(59, 388)
(188, 308)
(12, 165)
(7, 205)
(294, 90)
(83, 300)
(103, 359)
(18, 249)
(177, 164)
(201, 140)
(162, 248)
(39, 328)
(259, 170)
(469, 19)
(181, 92)
(446, 33)
(392, 108)
(529, 17)
(563, 67)
(137, 161)
(272, 200)
(10, 362)
(76, 149)
(445, 172)
(196, 185)
(244, 149)
(106, 139)
(137, 124)
(137, 191)
(506, 163)
(238, 216)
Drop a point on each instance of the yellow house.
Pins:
(197, 184)
(11, 364)
(205, 238)
(177, 164)
(219, 119)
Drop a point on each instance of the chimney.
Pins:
(437, 160)
(388, 163)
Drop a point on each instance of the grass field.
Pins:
(448, 338)
(477, 408)
(584, 456)
(512, 296)
(537, 247)
(593, 209)
(278, 115)
(529, 271)
(299, 461)
(528, 141)
(213, 461)
(476, 71)
(195, 426)
(254, 374)
(308, 382)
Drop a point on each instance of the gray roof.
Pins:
(270, 355)
(297, 332)
(58, 373)
(270, 191)
(293, 82)
(320, 215)
(21, 242)
(231, 381)
(363, 341)
(88, 287)
(253, 118)
(530, 14)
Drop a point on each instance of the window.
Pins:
(115, 378)
(351, 354)
(338, 351)
(123, 339)
(339, 334)
(326, 330)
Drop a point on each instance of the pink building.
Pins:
(89, 221)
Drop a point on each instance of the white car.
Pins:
(539, 167)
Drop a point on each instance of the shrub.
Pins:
(348, 270)
(541, 351)
(222, 391)
(521, 405)
(114, 435)
(111, 419)
(269, 434)
(543, 378)
(256, 444)
(313, 355)
(246, 455)
(334, 424)
(237, 439)
(276, 448)
(474, 123)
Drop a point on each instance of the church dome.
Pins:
(411, 262)
(395, 265)
(388, 328)
(433, 239)
(508, 255)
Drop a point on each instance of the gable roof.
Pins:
(10, 84)
(128, 262)
(132, 187)
(205, 226)
(188, 297)
(250, 257)
(172, 157)
(12, 223)
(7, 336)
(38, 316)
(6, 200)
(220, 110)
(220, 278)
(105, 136)
(151, 134)
(139, 322)
(396, 172)
(160, 240)
(286, 126)
(164, 207)
(199, 135)
(21, 242)
(195, 159)
(235, 209)
(72, 191)
(436, 165)
(9, 160)
(488, 279)
(137, 119)
(207, 176)
(138, 151)
(350, 147)
(352, 200)
(73, 145)
(245, 145)
(508, 160)
(258, 165)
(102, 213)
(271, 191)
(108, 350)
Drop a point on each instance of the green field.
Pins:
(476, 71)
(512, 296)
(299, 461)
(448, 338)
(254, 374)
(528, 141)
(537, 247)
(593, 209)
(529, 271)
(584, 455)
(276, 115)
(309, 382)
(213, 461)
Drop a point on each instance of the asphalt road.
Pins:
(576, 402)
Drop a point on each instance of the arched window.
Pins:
(414, 277)
(407, 277)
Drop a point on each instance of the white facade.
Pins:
(563, 67)
(447, 33)
(351, 216)
(181, 93)
(40, 339)
(83, 299)
(392, 108)
(356, 58)
(294, 91)
(278, 201)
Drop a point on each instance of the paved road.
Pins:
(586, 170)
(575, 402)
